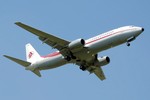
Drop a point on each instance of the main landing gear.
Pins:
(71, 56)
(83, 68)
(67, 58)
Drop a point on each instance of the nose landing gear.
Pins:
(128, 44)
(129, 40)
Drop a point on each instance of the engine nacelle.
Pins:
(104, 60)
(76, 44)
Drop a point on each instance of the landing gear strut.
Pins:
(129, 40)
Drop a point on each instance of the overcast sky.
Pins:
(128, 74)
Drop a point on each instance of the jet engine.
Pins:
(76, 44)
(103, 60)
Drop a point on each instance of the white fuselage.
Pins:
(95, 44)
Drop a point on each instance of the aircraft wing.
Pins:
(49, 39)
(99, 73)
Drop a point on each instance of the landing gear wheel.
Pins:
(83, 68)
(128, 44)
(73, 57)
(67, 58)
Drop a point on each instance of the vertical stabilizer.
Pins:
(31, 54)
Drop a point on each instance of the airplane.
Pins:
(83, 53)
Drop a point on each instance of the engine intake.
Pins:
(104, 60)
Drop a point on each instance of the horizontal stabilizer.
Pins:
(21, 62)
(37, 72)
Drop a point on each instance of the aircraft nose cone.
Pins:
(142, 29)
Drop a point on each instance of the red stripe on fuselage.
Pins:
(100, 38)
(105, 36)
(51, 55)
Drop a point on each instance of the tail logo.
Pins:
(30, 54)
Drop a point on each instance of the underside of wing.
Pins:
(49, 39)
(99, 73)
